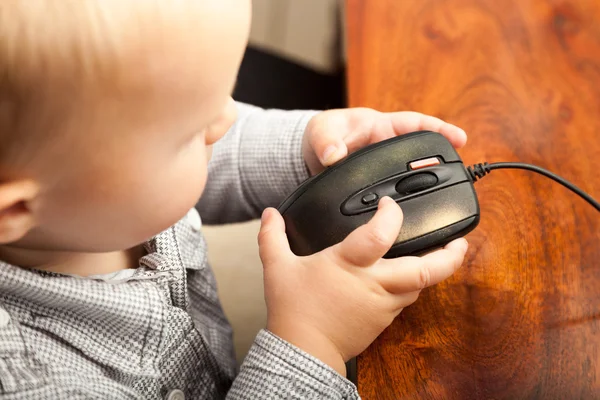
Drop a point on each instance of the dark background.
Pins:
(270, 81)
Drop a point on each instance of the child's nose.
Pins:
(221, 125)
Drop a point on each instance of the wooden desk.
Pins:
(521, 320)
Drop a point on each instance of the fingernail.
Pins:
(386, 199)
(329, 151)
(464, 244)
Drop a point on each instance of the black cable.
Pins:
(478, 171)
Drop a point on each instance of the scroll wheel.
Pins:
(416, 183)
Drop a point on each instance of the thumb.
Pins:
(325, 143)
(273, 243)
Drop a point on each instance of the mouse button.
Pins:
(423, 163)
(416, 183)
(437, 144)
(435, 210)
(430, 241)
(369, 198)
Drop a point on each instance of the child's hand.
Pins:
(334, 303)
(332, 135)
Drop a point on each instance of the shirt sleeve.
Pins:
(256, 164)
(275, 369)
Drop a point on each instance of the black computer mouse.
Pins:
(421, 171)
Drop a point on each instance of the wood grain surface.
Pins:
(521, 319)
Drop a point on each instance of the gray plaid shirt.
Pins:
(159, 332)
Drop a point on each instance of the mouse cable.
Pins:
(478, 171)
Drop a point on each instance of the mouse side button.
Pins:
(369, 198)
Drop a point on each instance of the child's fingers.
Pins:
(368, 243)
(410, 121)
(409, 274)
(327, 137)
(272, 240)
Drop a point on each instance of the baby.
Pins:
(109, 113)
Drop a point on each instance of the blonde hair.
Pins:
(51, 50)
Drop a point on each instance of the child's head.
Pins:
(108, 109)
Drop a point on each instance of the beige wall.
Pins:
(302, 30)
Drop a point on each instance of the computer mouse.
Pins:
(420, 170)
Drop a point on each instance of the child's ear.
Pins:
(16, 218)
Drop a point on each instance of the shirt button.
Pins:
(4, 318)
(194, 219)
(175, 394)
